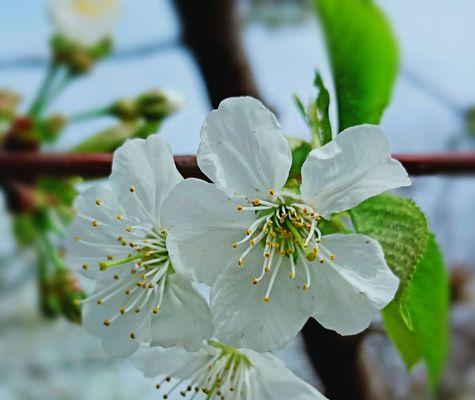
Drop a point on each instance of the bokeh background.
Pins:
(429, 112)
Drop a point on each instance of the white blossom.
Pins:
(86, 22)
(117, 238)
(219, 371)
(260, 246)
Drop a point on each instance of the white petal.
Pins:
(243, 148)
(184, 318)
(276, 382)
(165, 362)
(353, 167)
(243, 319)
(115, 338)
(353, 287)
(87, 244)
(86, 23)
(202, 224)
(148, 168)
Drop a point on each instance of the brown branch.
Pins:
(210, 30)
(27, 165)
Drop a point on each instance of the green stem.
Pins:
(89, 114)
(58, 89)
(38, 103)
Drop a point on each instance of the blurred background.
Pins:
(432, 110)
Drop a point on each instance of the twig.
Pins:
(27, 165)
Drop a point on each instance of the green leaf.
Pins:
(319, 119)
(402, 337)
(399, 226)
(364, 58)
(300, 150)
(427, 304)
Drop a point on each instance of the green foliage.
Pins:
(319, 119)
(363, 55)
(300, 150)
(399, 226)
(316, 115)
(427, 305)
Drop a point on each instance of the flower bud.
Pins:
(157, 104)
(78, 58)
(9, 101)
(49, 128)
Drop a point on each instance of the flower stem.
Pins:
(89, 114)
(38, 103)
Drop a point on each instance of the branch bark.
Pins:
(210, 29)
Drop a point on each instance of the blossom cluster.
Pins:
(148, 236)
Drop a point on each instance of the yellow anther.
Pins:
(119, 217)
(137, 310)
(127, 292)
(239, 207)
(132, 335)
(273, 234)
(304, 286)
(116, 277)
(102, 266)
(311, 256)
(156, 310)
(98, 202)
(122, 310)
(248, 232)
(322, 260)
(106, 322)
(254, 281)
(282, 252)
(85, 267)
(133, 271)
(266, 255)
(291, 275)
(252, 243)
(120, 238)
(77, 238)
(95, 223)
(266, 299)
(100, 301)
(272, 192)
(132, 189)
(241, 261)
(139, 284)
(77, 302)
(332, 256)
(275, 245)
(267, 268)
(235, 245)
(110, 257)
(129, 229)
(256, 202)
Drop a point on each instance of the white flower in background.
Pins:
(260, 246)
(117, 238)
(86, 22)
(219, 371)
